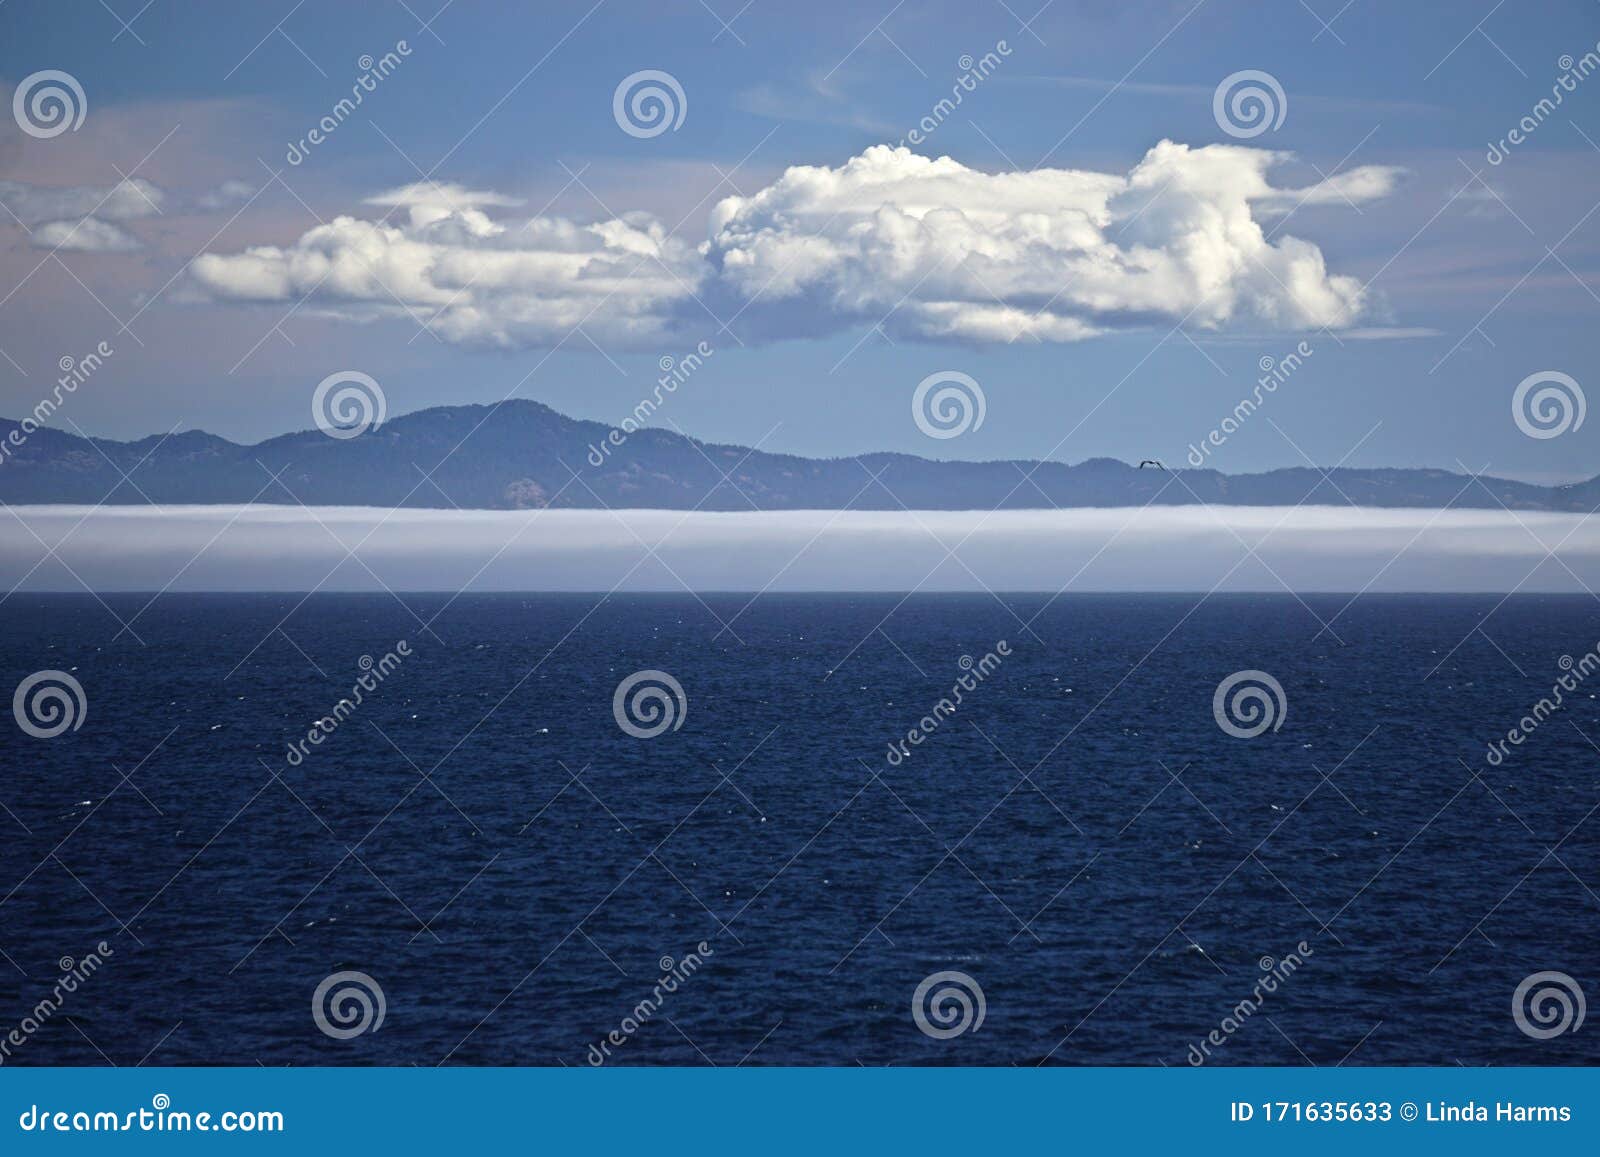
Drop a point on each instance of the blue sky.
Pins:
(1462, 297)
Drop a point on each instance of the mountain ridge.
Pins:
(523, 454)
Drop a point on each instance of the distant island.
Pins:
(524, 455)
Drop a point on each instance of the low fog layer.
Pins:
(278, 548)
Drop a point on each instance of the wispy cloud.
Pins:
(88, 235)
(1205, 91)
(78, 218)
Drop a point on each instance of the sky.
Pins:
(1107, 249)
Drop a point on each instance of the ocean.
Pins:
(764, 868)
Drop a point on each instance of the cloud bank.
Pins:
(1177, 548)
(927, 248)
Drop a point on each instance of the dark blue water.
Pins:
(485, 841)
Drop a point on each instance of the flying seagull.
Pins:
(1151, 462)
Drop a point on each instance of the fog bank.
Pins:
(1169, 548)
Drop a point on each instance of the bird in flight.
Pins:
(1151, 462)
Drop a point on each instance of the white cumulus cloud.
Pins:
(933, 248)
(929, 248)
(473, 279)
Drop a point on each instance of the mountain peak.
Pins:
(523, 454)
